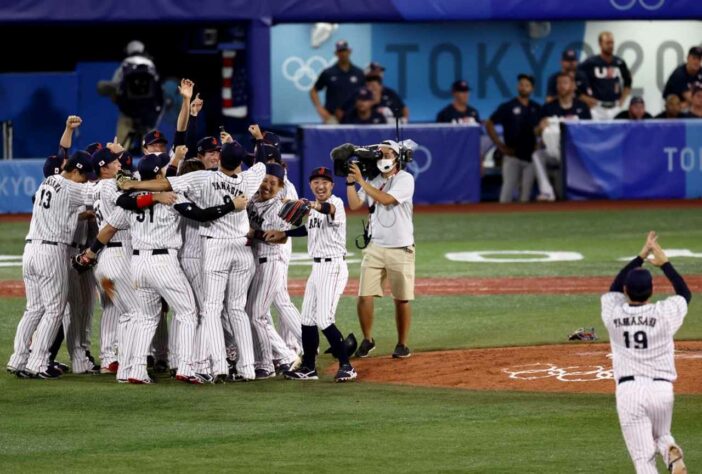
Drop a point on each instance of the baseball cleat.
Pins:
(220, 378)
(365, 348)
(240, 378)
(24, 374)
(51, 373)
(204, 378)
(60, 366)
(401, 352)
(12, 370)
(676, 465)
(303, 373)
(148, 380)
(262, 374)
(110, 368)
(161, 367)
(346, 373)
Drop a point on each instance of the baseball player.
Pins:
(641, 336)
(228, 264)
(271, 267)
(45, 266)
(326, 244)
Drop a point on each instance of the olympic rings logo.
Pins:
(649, 5)
(301, 73)
(576, 373)
(415, 167)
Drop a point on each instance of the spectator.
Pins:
(364, 113)
(385, 101)
(608, 80)
(673, 109)
(685, 76)
(636, 111)
(518, 118)
(375, 69)
(565, 107)
(695, 110)
(459, 111)
(569, 65)
(341, 82)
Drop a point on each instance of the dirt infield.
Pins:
(467, 286)
(576, 367)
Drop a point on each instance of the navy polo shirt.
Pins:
(577, 109)
(606, 81)
(450, 114)
(518, 122)
(680, 81)
(352, 118)
(340, 85)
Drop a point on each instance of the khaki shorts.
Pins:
(394, 264)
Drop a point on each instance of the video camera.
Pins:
(366, 156)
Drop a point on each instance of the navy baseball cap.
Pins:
(322, 172)
(460, 86)
(374, 68)
(270, 152)
(102, 157)
(639, 284)
(150, 165)
(125, 159)
(207, 144)
(82, 161)
(271, 138)
(274, 169)
(528, 77)
(93, 147)
(342, 45)
(364, 94)
(569, 55)
(53, 165)
(232, 155)
(154, 136)
(695, 51)
(636, 100)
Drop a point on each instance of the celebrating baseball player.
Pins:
(641, 336)
(326, 245)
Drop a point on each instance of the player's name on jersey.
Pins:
(223, 186)
(53, 183)
(635, 321)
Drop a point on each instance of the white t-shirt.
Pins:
(326, 235)
(391, 226)
(641, 337)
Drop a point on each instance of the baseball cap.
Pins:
(82, 161)
(322, 172)
(125, 159)
(102, 157)
(639, 284)
(364, 94)
(392, 144)
(151, 164)
(274, 169)
(460, 86)
(270, 152)
(569, 55)
(208, 144)
(52, 165)
(528, 77)
(154, 136)
(374, 68)
(232, 155)
(342, 45)
(636, 100)
(271, 138)
(695, 51)
(93, 147)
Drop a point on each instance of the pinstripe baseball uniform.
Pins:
(114, 265)
(641, 338)
(191, 262)
(228, 264)
(157, 274)
(326, 244)
(268, 280)
(45, 268)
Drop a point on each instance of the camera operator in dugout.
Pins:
(389, 239)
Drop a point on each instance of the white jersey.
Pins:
(57, 203)
(80, 236)
(208, 189)
(326, 235)
(263, 215)
(642, 336)
(190, 233)
(106, 194)
(154, 227)
(288, 193)
(391, 226)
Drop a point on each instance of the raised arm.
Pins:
(660, 259)
(72, 122)
(618, 283)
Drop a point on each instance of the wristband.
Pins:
(350, 183)
(145, 200)
(96, 247)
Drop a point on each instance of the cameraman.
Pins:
(390, 253)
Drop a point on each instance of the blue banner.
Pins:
(19, 180)
(446, 165)
(652, 159)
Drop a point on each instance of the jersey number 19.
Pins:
(640, 340)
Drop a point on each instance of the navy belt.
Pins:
(114, 244)
(153, 252)
(329, 259)
(263, 260)
(631, 378)
(45, 242)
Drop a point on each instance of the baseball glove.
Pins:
(350, 343)
(583, 334)
(123, 176)
(108, 288)
(82, 263)
(294, 211)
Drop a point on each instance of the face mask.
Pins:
(385, 165)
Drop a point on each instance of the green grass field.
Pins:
(90, 423)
